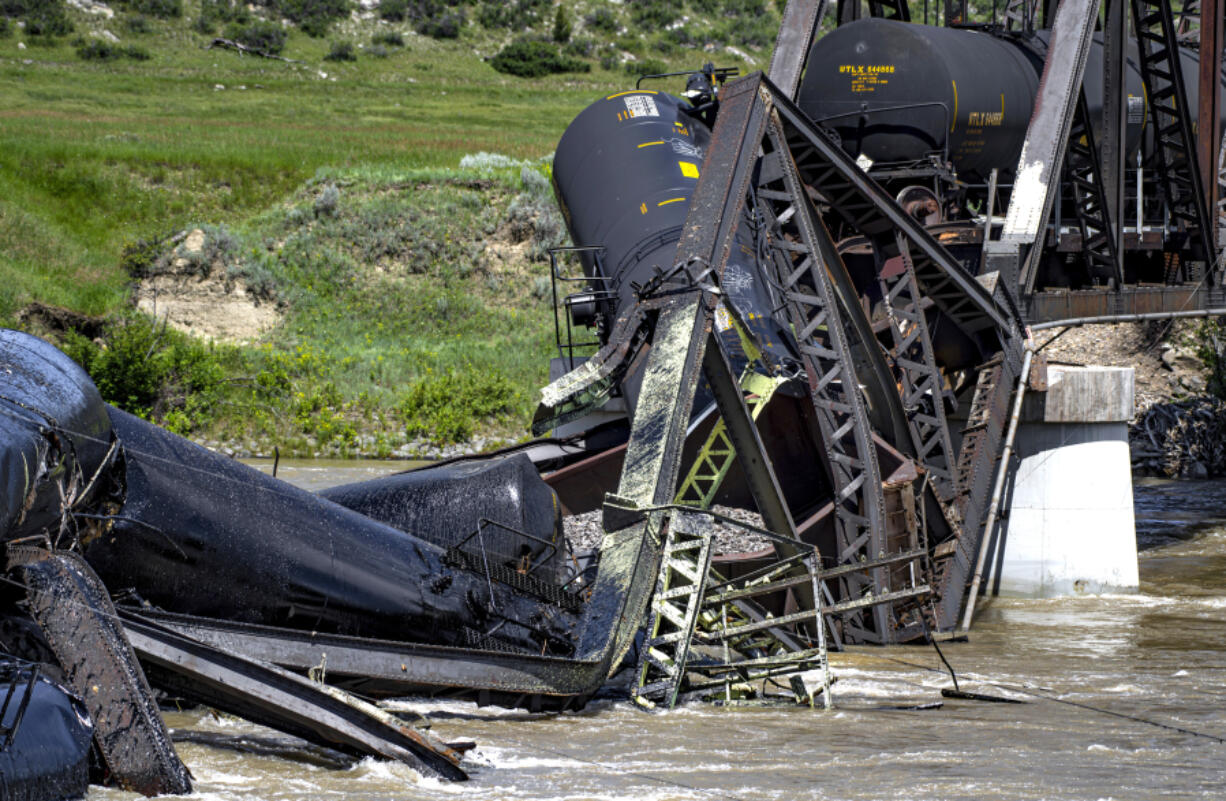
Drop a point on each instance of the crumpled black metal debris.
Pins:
(200, 534)
(54, 434)
(505, 497)
(45, 736)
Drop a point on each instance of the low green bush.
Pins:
(137, 24)
(341, 51)
(216, 12)
(582, 47)
(394, 10)
(646, 66)
(446, 26)
(653, 14)
(445, 406)
(388, 39)
(266, 37)
(147, 368)
(519, 15)
(313, 17)
(434, 18)
(602, 20)
(532, 59)
(162, 9)
(99, 50)
(43, 18)
(533, 216)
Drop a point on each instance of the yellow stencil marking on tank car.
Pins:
(670, 200)
(688, 169)
(987, 119)
(649, 144)
(976, 122)
(867, 77)
(954, 122)
(642, 208)
(633, 92)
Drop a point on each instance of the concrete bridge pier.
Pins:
(1068, 527)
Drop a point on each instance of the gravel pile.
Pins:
(1163, 355)
(583, 531)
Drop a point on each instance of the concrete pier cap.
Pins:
(1069, 527)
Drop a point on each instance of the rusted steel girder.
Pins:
(802, 21)
(1209, 136)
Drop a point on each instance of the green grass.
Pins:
(96, 156)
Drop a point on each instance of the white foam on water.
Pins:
(432, 706)
(206, 775)
(506, 758)
(372, 770)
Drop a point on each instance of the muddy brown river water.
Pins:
(1125, 699)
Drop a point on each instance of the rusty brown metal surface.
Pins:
(1053, 306)
(1209, 133)
(801, 24)
(1037, 380)
(977, 458)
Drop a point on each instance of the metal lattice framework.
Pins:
(1082, 174)
(1175, 153)
(825, 347)
(922, 384)
(1187, 29)
(890, 9)
(982, 438)
(717, 453)
(695, 610)
(1020, 15)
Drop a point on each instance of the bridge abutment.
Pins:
(1069, 527)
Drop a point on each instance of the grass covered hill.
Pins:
(315, 250)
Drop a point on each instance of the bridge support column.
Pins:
(1069, 529)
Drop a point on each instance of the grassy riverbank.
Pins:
(410, 293)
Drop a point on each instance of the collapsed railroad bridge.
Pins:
(796, 306)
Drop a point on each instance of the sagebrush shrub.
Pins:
(532, 59)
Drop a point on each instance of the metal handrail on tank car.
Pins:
(903, 107)
(720, 74)
(552, 548)
(517, 576)
(567, 350)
